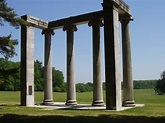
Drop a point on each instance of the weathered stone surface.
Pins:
(76, 20)
(27, 66)
(35, 22)
(97, 77)
(122, 6)
(71, 88)
(112, 57)
(48, 86)
(128, 94)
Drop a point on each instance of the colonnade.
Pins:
(110, 20)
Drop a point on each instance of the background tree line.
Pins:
(57, 78)
(144, 84)
(10, 79)
(141, 84)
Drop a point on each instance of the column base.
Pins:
(113, 108)
(48, 102)
(128, 103)
(98, 103)
(71, 102)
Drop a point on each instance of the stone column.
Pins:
(128, 94)
(97, 79)
(71, 89)
(48, 92)
(112, 55)
(27, 65)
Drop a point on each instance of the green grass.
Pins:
(10, 111)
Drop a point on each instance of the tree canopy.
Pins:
(144, 84)
(162, 75)
(7, 14)
(9, 75)
(160, 85)
(11, 81)
(57, 78)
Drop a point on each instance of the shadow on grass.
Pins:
(10, 118)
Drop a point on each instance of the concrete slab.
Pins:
(62, 106)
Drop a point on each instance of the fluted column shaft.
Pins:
(71, 88)
(128, 95)
(97, 77)
(48, 92)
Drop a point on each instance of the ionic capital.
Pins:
(125, 19)
(96, 22)
(70, 27)
(48, 31)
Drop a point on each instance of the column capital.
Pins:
(96, 22)
(125, 18)
(70, 27)
(48, 31)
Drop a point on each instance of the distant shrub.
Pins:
(160, 87)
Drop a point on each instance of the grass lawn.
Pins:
(153, 112)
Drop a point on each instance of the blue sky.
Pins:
(147, 35)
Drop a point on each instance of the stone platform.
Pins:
(62, 106)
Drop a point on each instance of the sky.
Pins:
(147, 35)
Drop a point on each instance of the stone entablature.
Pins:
(124, 9)
(77, 20)
(35, 22)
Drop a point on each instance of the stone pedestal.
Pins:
(27, 65)
(128, 94)
(48, 92)
(112, 55)
(97, 78)
(71, 89)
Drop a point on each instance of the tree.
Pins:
(7, 14)
(58, 81)
(38, 76)
(9, 75)
(162, 75)
(160, 85)
(7, 45)
(144, 84)
(81, 87)
(57, 78)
